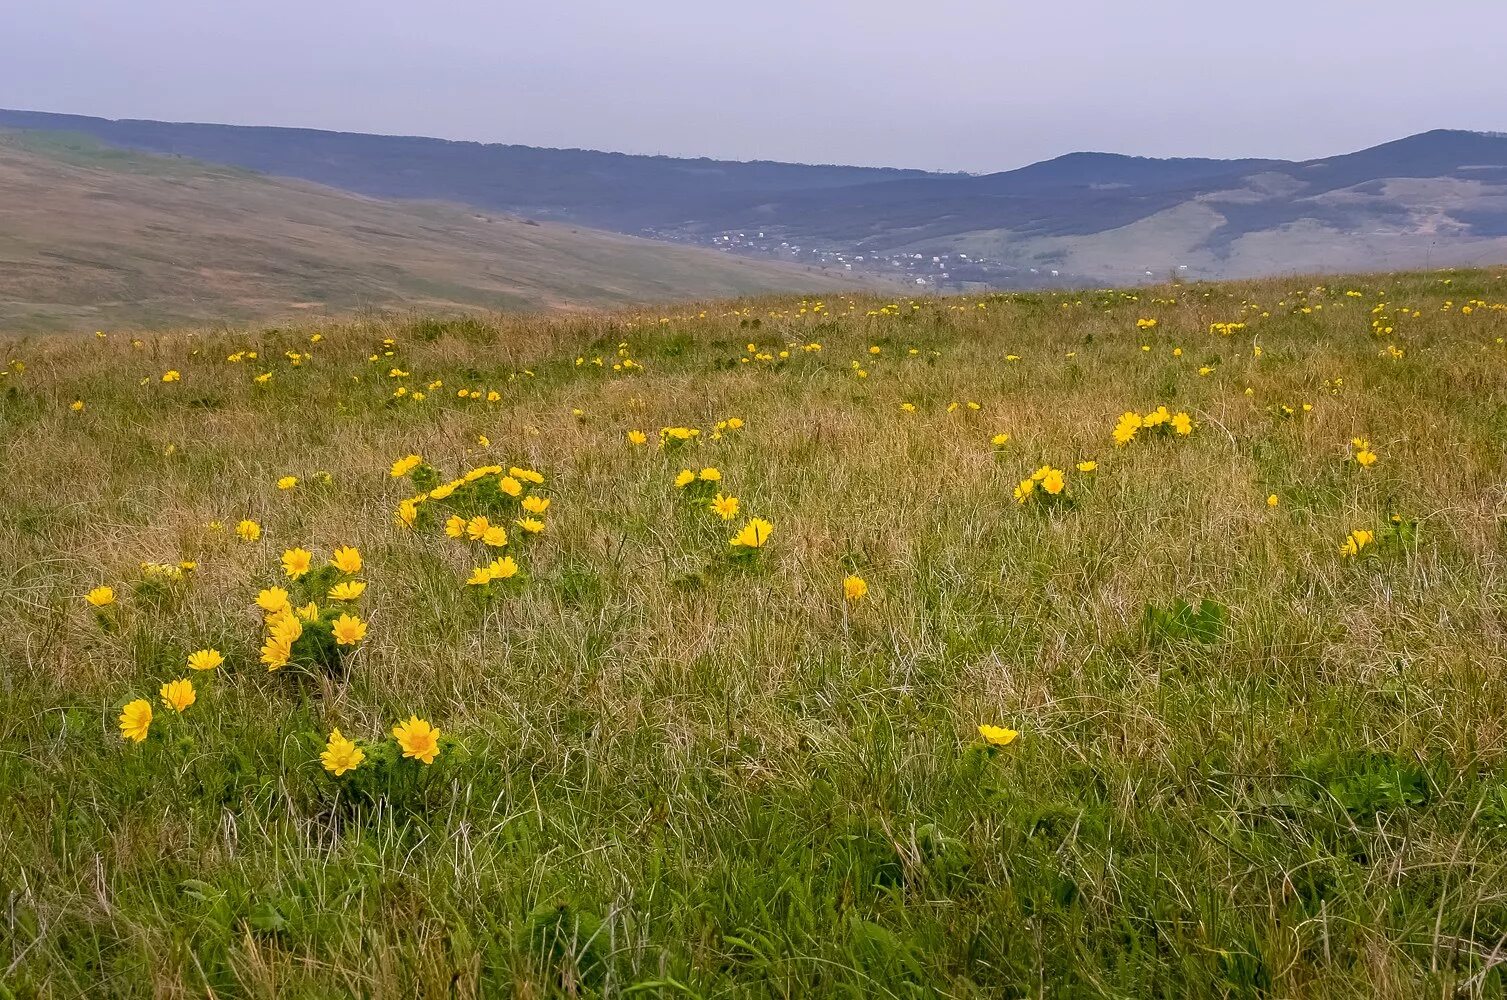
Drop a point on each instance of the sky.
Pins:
(978, 85)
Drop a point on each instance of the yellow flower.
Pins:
(1365, 458)
(907, 407)
(1024, 490)
(530, 524)
(1088, 466)
(725, 507)
(684, 478)
(178, 694)
(205, 659)
(248, 531)
(480, 577)
(405, 465)
(418, 739)
(477, 527)
(1271, 500)
(276, 651)
(509, 485)
(285, 625)
(536, 505)
(287, 482)
(296, 562)
(1125, 429)
(502, 569)
(443, 490)
(350, 590)
(637, 437)
(340, 754)
(1182, 423)
(711, 475)
(496, 536)
(171, 375)
(455, 526)
(997, 735)
(309, 612)
(1355, 541)
(753, 534)
(77, 406)
(348, 630)
(526, 475)
(855, 588)
(100, 596)
(1052, 482)
(135, 719)
(1000, 440)
(408, 512)
(347, 559)
(272, 600)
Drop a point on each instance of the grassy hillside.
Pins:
(93, 236)
(1438, 198)
(1025, 689)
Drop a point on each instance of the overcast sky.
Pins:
(976, 85)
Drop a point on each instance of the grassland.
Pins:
(674, 767)
(93, 235)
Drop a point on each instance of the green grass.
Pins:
(670, 773)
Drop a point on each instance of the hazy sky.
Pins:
(953, 84)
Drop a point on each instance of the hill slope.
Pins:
(94, 236)
(1435, 198)
(982, 705)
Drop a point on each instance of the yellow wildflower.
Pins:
(340, 754)
(178, 694)
(205, 659)
(418, 739)
(135, 719)
(296, 562)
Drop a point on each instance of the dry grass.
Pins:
(670, 774)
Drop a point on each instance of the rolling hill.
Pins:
(1435, 198)
(91, 235)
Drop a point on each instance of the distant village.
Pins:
(932, 272)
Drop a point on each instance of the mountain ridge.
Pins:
(1438, 196)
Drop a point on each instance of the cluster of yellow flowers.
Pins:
(415, 739)
(1356, 541)
(304, 634)
(671, 438)
(1045, 481)
(1361, 453)
(482, 504)
(703, 488)
(1160, 420)
(625, 362)
(136, 715)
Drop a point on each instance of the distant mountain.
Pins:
(1435, 198)
(92, 236)
(613, 190)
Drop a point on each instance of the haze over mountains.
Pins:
(1433, 199)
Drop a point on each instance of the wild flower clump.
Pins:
(1048, 485)
(311, 622)
(489, 508)
(1361, 453)
(1159, 421)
